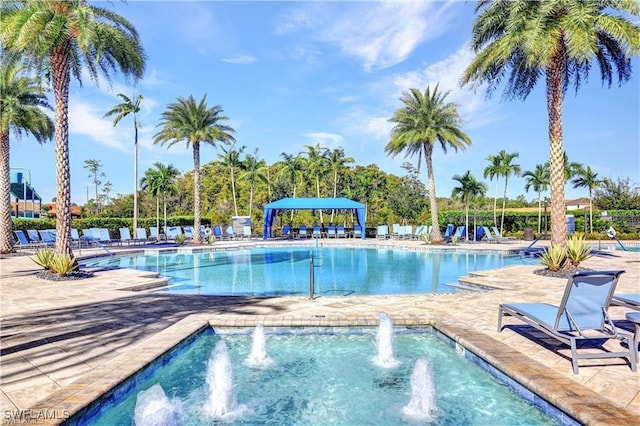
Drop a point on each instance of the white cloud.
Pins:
(326, 140)
(380, 34)
(87, 120)
(240, 59)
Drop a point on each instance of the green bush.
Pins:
(577, 249)
(44, 257)
(63, 264)
(554, 257)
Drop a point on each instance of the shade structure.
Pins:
(310, 204)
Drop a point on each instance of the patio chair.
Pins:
(105, 237)
(383, 232)
(286, 231)
(316, 232)
(47, 236)
(141, 233)
(340, 232)
(230, 234)
(188, 232)
(125, 237)
(581, 316)
(331, 231)
(172, 231)
(217, 232)
(628, 300)
(302, 232)
(357, 231)
(420, 230)
(488, 235)
(154, 233)
(246, 232)
(499, 236)
(461, 232)
(24, 243)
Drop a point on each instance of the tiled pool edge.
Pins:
(557, 395)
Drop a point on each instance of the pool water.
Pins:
(337, 271)
(329, 380)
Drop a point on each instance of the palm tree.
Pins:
(253, 172)
(161, 180)
(507, 169)
(316, 164)
(491, 171)
(193, 123)
(20, 113)
(469, 190)
(424, 120)
(126, 107)
(292, 168)
(519, 41)
(587, 178)
(537, 179)
(337, 161)
(231, 158)
(60, 37)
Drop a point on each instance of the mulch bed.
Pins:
(72, 276)
(566, 271)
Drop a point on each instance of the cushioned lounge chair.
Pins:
(125, 237)
(340, 233)
(286, 231)
(24, 243)
(581, 316)
(499, 236)
(383, 232)
(628, 300)
(316, 231)
(331, 231)
(488, 236)
(357, 231)
(302, 232)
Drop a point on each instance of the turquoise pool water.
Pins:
(337, 270)
(325, 380)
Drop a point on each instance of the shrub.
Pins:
(44, 257)
(554, 257)
(63, 264)
(180, 239)
(577, 249)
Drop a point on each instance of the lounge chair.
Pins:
(302, 232)
(47, 236)
(217, 232)
(448, 233)
(229, 232)
(581, 316)
(188, 232)
(628, 300)
(383, 232)
(105, 237)
(125, 237)
(357, 231)
(171, 232)
(24, 243)
(340, 233)
(499, 236)
(286, 231)
(488, 235)
(154, 233)
(420, 230)
(76, 239)
(461, 232)
(246, 232)
(316, 232)
(331, 231)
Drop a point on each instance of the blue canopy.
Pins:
(310, 204)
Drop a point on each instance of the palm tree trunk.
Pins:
(5, 189)
(590, 212)
(466, 218)
(233, 191)
(539, 211)
(318, 195)
(504, 204)
(60, 76)
(135, 180)
(196, 193)
(433, 201)
(294, 196)
(495, 204)
(555, 73)
(164, 201)
(335, 191)
(158, 213)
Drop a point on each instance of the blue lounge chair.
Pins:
(340, 232)
(581, 316)
(448, 233)
(302, 232)
(628, 300)
(125, 237)
(286, 231)
(217, 232)
(488, 236)
(229, 232)
(461, 232)
(23, 241)
(331, 231)
(316, 233)
(499, 236)
(154, 233)
(357, 231)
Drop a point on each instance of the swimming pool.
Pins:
(268, 271)
(315, 379)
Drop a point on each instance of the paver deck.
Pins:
(65, 343)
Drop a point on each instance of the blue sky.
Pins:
(290, 74)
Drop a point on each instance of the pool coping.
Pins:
(581, 404)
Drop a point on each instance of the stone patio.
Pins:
(66, 343)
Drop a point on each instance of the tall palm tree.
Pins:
(61, 38)
(469, 190)
(427, 119)
(231, 159)
(538, 180)
(160, 181)
(587, 178)
(520, 41)
(194, 123)
(21, 103)
(292, 168)
(316, 164)
(337, 161)
(126, 107)
(490, 172)
(507, 168)
(254, 168)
